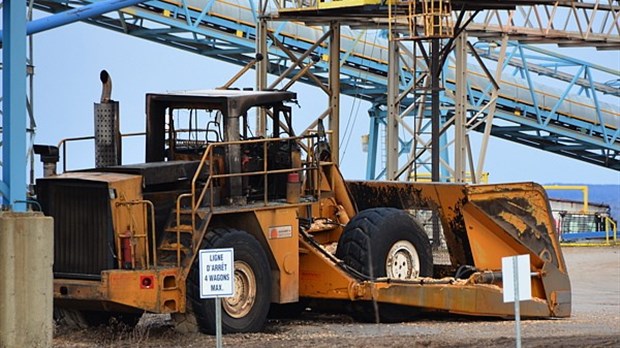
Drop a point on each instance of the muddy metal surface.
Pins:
(595, 279)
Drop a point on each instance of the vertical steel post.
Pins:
(334, 89)
(261, 66)
(373, 135)
(460, 148)
(435, 113)
(393, 109)
(435, 120)
(14, 103)
(233, 156)
(445, 171)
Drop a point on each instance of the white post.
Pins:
(517, 281)
(218, 322)
(515, 264)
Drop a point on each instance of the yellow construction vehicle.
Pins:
(127, 236)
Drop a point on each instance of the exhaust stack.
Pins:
(107, 129)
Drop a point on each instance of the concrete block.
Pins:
(26, 279)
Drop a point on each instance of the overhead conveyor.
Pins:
(528, 112)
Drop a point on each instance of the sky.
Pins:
(68, 61)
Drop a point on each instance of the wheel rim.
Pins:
(402, 261)
(240, 304)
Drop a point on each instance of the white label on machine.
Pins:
(523, 276)
(217, 267)
(278, 232)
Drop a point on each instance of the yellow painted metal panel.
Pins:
(127, 288)
(129, 220)
(281, 231)
(321, 278)
(460, 298)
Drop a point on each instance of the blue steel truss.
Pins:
(589, 134)
(583, 127)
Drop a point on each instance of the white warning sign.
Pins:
(217, 267)
(279, 232)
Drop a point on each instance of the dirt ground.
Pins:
(595, 322)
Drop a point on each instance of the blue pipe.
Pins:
(75, 15)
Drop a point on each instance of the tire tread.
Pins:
(376, 229)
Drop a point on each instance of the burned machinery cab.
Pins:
(181, 125)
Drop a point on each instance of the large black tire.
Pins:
(385, 242)
(247, 310)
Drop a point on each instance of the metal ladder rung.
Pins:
(180, 228)
(174, 247)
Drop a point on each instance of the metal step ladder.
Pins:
(181, 240)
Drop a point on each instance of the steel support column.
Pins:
(261, 65)
(435, 113)
(479, 171)
(460, 146)
(435, 69)
(14, 103)
(334, 89)
(393, 109)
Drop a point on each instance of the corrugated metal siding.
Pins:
(83, 228)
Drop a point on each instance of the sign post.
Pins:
(517, 286)
(217, 267)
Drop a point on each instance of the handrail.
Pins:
(582, 188)
(198, 197)
(178, 225)
(63, 144)
(149, 204)
(207, 156)
(609, 222)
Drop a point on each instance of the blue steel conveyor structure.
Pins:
(570, 120)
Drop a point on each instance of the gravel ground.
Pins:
(595, 280)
